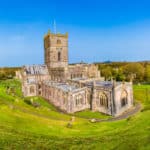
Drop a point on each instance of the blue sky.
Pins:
(99, 30)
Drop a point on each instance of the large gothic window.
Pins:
(59, 56)
(124, 98)
(103, 100)
(79, 100)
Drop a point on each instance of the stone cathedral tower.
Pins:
(56, 54)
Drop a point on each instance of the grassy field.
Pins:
(26, 126)
(88, 114)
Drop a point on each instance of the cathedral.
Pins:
(74, 87)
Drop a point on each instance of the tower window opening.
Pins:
(59, 56)
(58, 41)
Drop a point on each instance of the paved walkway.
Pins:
(125, 115)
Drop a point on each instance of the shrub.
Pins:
(129, 118)
(28, 101)
(69, 125)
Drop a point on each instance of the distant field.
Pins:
(25, 126)
(142, 92)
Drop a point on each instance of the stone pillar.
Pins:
(93, 99)
(113, 100)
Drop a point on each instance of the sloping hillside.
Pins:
(32, 123)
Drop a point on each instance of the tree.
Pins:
(147, 73)
(107, 73)
(134, 71)
(118, 74)
(7, 73)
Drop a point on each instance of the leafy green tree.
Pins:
(120, 76)
(134, 71)
(107, 73)
(117, 74)
(147, 73)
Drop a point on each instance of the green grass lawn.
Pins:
(23, 126)
(89, 114)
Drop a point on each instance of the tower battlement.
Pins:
(50, 34)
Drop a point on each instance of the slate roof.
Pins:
(105, 84)
(62, 86)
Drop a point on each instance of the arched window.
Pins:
(40, 92)
(103, 100)
(124, 98)
(39, 86)
(31, 89)
(79, 100)
(59, 56)
(58, 41)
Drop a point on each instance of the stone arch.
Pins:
(79, 99)
(124, 98)
(103, 100)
